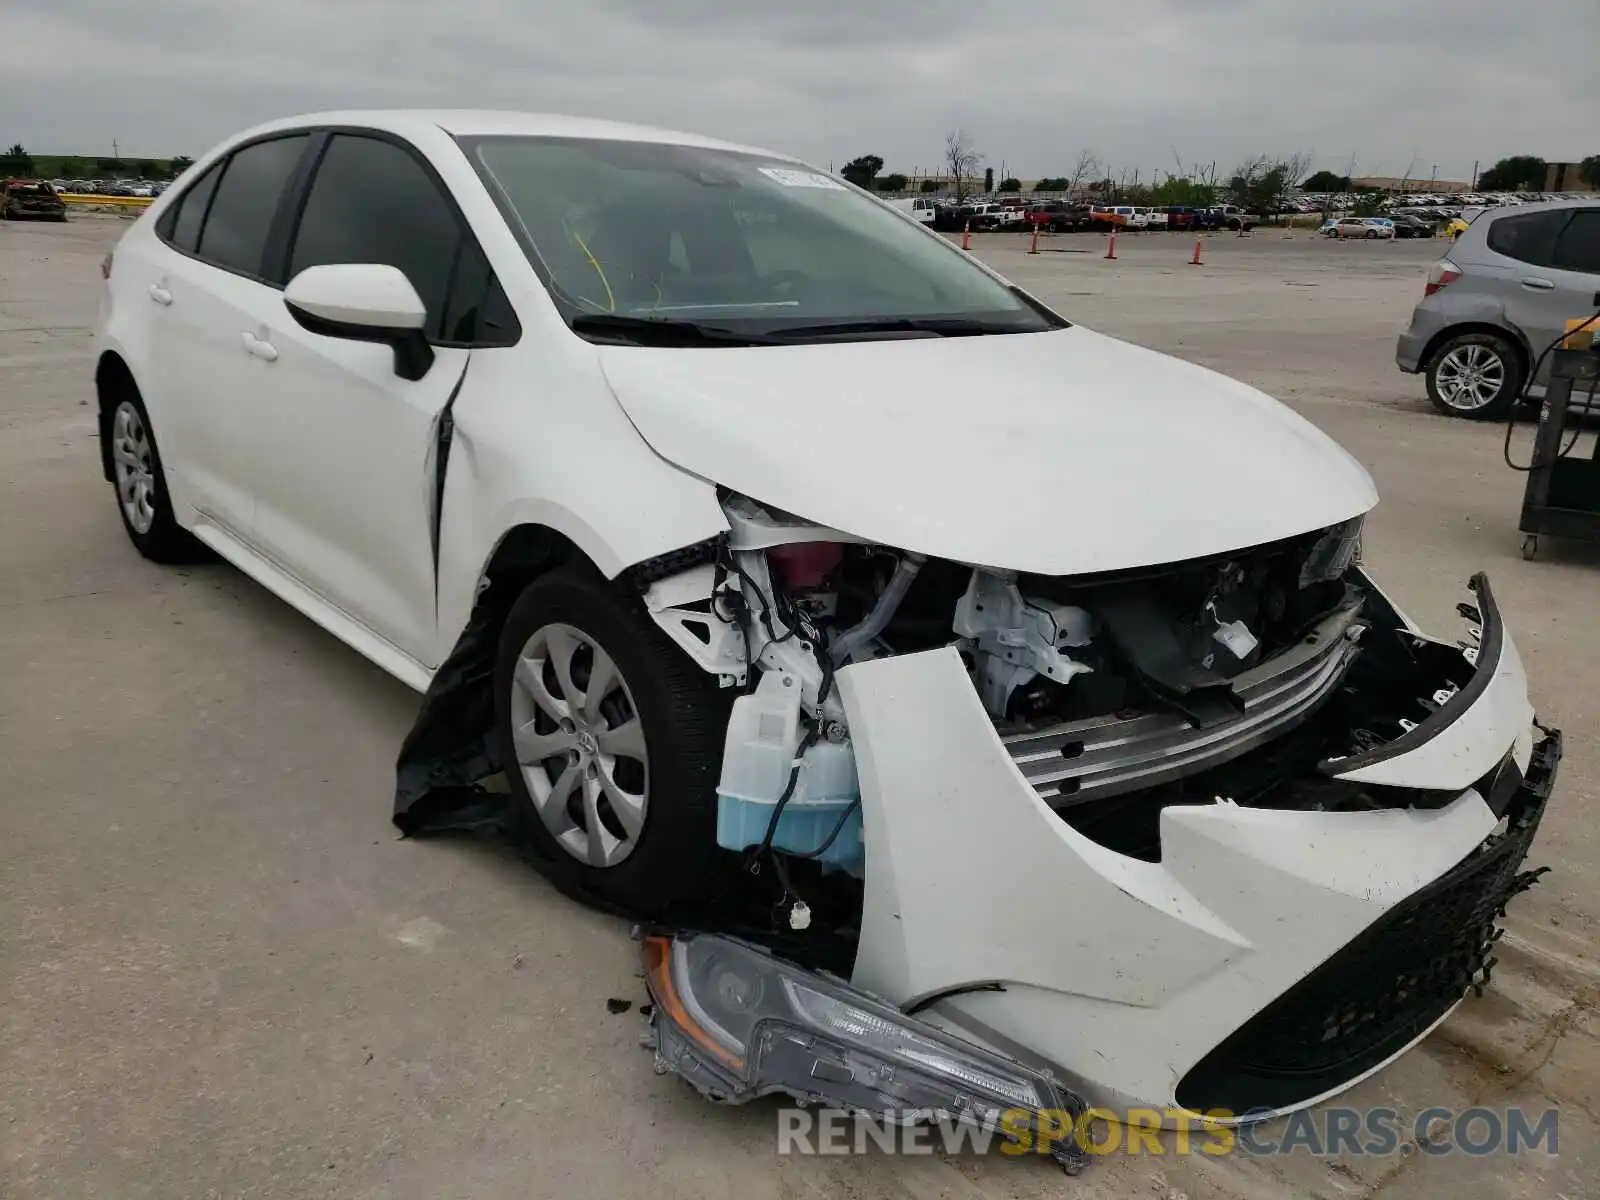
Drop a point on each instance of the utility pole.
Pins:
(115, 153)
(1474, 174)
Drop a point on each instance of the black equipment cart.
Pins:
(1563, 496)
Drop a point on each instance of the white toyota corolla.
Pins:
(733, 517)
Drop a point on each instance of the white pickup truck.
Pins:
(919, 208)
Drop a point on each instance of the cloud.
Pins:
(1426, 82)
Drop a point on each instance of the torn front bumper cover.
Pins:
(738, 1024)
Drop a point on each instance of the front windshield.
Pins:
(630, 232)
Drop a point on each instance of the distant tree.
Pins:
(1051, 183)
(147, 168)
(930, 185)
(1260, 184)
(961, 159)
(1369, 203)
(988, 180)
(1327, 181)
(1245, 183)
(893, 183)
(110, 166)
(1186, 192)
(70, 168)
(862, 171)
(16, 161)
(1010, 184)
(1589, 170)
(1087, 167)
(1294, 168)
(179, 165)
(1509, 174)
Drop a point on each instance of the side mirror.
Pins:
(364, 302)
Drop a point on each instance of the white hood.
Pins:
(1056, 453)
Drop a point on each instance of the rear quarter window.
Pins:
(181, 226)
(1578, 245)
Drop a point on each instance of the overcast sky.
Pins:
(1439, 81)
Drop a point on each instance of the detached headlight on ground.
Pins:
(738, 1024)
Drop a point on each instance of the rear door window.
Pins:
(1578, 246)
(235, 230)
(1529, 237)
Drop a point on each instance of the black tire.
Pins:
(165, 541)
(683, 715)
(1511, 370)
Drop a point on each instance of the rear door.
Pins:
(1536, 269)
(346, 499)
(209, 285)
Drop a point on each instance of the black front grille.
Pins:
(1389, 984)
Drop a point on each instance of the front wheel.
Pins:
(1476, 375)
(612, 742)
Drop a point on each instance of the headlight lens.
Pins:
(1334, 553)
(830, 1015)
(738, 1023)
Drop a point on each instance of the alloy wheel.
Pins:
(580, 745)
(131, 458)
(1470, 376)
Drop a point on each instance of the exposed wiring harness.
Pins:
(1527, 387)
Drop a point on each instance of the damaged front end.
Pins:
(1220, 836)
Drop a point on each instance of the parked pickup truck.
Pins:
(1231, 216)
(1057, 216)
(1121, 216)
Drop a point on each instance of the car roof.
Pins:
(1495, 212)
(493, 123)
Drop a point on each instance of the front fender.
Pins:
(539, 440)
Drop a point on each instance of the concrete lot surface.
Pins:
(223, 975)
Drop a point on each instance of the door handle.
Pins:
(1534, 284)
(160, 295)
(265, 351)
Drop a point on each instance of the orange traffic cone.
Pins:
(1034, 249)
(1111, 245)
(1194, 260)
(966, 236)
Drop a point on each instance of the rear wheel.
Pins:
(141, 487)
(612, 741)
(1477, 375)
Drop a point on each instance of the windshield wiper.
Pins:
(660, 331)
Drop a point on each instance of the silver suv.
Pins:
(1506, 291)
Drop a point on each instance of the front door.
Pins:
(345, 495)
